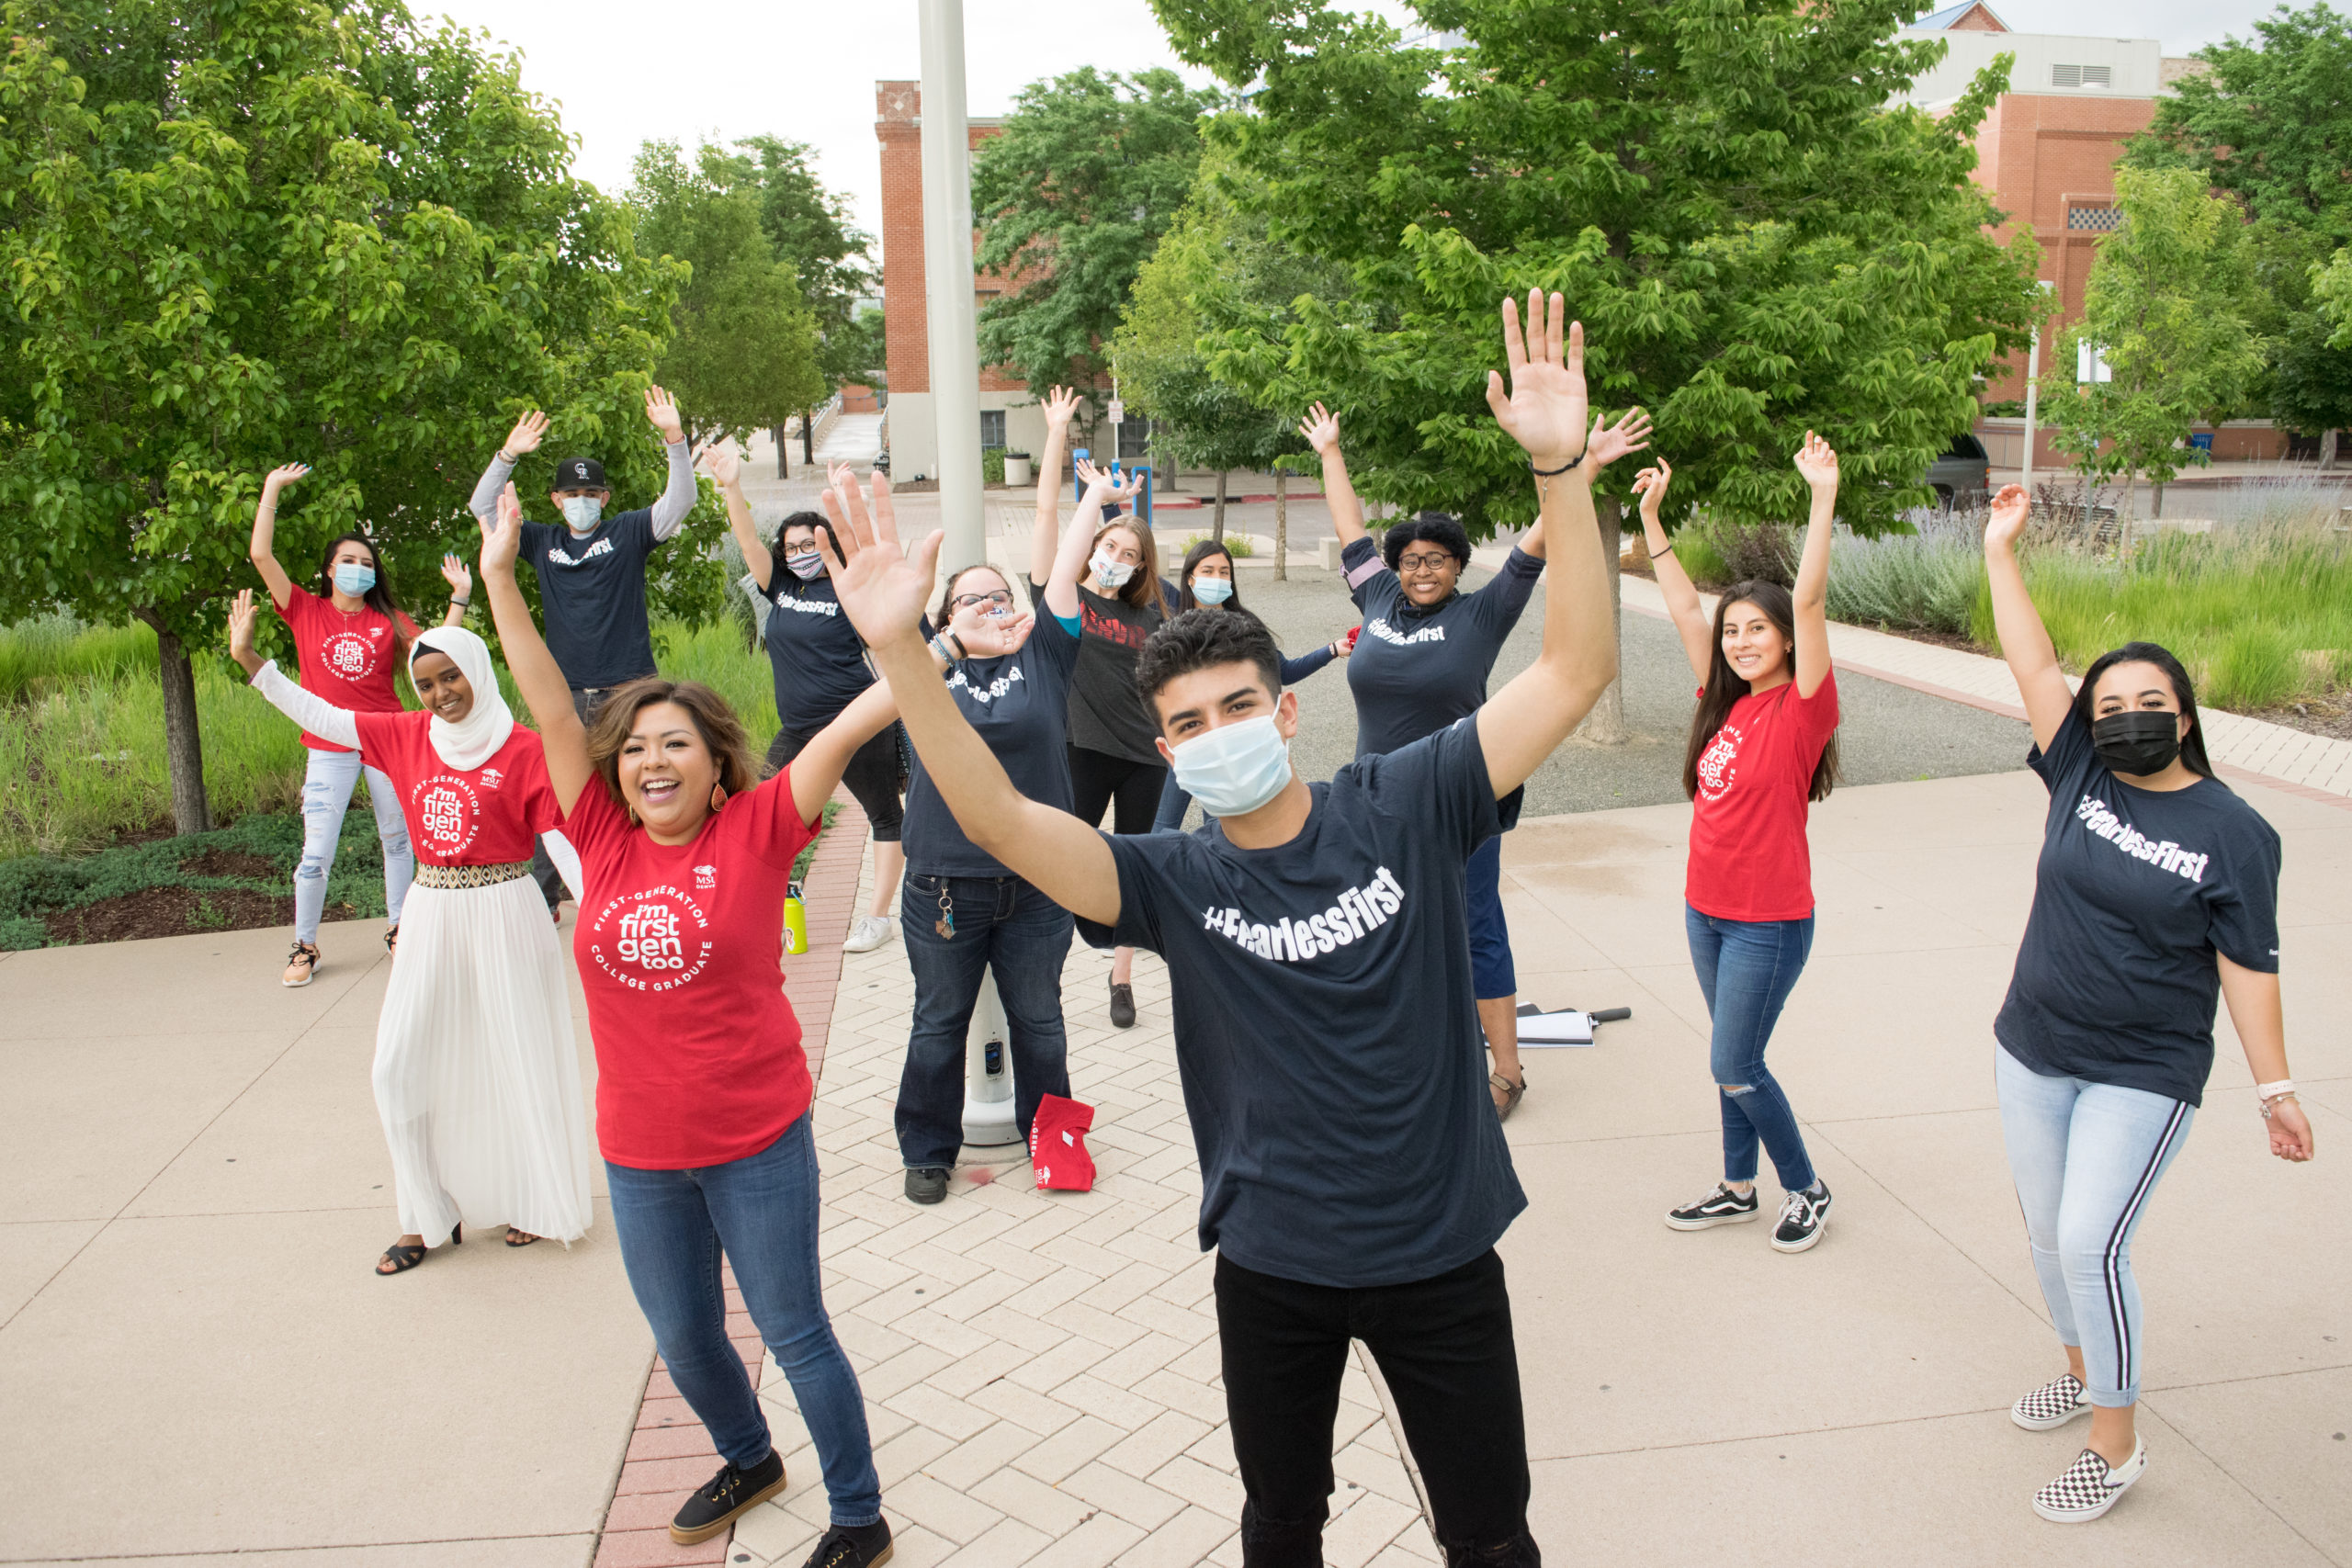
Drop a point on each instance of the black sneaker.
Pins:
(926, 1183)
(1123, 1005)
(728, 1493)
(853, 1546)
(1721, 1207)
(1802, 1215)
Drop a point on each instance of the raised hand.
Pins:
(1546, 408)
(1817, 462)
(1608, 443)
(460, 580)
(1650, 485)
(527, 432)
(720, 461)
(1321, 429)
(1114, 487)
(2004, 525)
(1061, 403)
(502, 543)
(662, 410)
(985, 636)
(883, 592)
(241, 629)
(285, 474)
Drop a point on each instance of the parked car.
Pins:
(1960, 474)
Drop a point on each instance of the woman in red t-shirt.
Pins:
(349, 636)
(1763, 748)
(703, 1092)
(477, 1074)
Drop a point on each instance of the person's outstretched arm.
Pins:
(1674, 584)
(307, 708)
(521, 441)
(461, 590)
(564, 738)
(1321, 428)
(678, 495)
(263, 549)
(1818, 464)
(884, 594)
(2025, 641)
(1045, 535)
(1544, 412)
(727, 468)
(1077, 539)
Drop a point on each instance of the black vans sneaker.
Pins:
(926, 1183)
(1721, 1207)
(853, 1546)
(1802, 1215)
(727, 1494)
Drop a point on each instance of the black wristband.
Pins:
(1549, 473)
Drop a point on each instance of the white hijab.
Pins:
(475, 739)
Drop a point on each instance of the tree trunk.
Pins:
(1282, 525)
(808, 438)
(1216, 529)
(2327, 449)
(782, 470)
(183, 746)
(2157, 501)
(1606, 723)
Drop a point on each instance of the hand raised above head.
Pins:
(503, 540)
(1545, 410)
(1650, 485)
(882, 592)
(454, 573)
(527, 432)
(661, 409)
(2005, 524)
(1817, 461)
(1321, 430)
(283, 475)
(241, 624)
(720, 461)
(1608, 443)
(1061, 403)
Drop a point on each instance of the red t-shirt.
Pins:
(1749, 860)
(698, 1058)
(347, 659)
(491, 816)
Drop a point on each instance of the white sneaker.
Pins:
(870, 932)
(2089, 1487)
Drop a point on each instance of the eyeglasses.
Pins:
(1433, 562)
(999, 600)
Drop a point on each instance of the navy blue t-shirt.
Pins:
(2136, 891)
(1413, 673)
(1020, 704)
(818, 657)
(1327, 1029)
(592, 597)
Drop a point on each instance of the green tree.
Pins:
(237, 234)
(744, 353)
(811, 227)
(2165, 307)
(2332, 293)
(1071, 199)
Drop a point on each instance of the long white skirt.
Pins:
(477, 1074)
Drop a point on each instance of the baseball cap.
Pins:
(579, 473)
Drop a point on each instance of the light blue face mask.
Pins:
(1212, 590)
(1235, 768)
(354, 580)
(581, 513)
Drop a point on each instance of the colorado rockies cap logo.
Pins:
(576, 469)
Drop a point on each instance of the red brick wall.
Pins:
(898, 127)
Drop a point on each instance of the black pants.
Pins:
(543, 872)
(873, 776)
(1443, 1345)
(1098, 779)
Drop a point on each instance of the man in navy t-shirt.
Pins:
(1354, 1181)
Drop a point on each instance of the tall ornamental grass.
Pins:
(1930, 579)
(45, 653)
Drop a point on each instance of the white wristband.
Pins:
(2273, 1090)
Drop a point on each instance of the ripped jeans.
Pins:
(327, 783)
(1747, 969)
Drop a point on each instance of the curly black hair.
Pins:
(1439, 528)
(1200, 639)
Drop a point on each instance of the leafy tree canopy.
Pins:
(1756, 244)
(811, 227)
(1071, 199)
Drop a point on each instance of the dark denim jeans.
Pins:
(760, 1211)
(1002, 923)
(1747, 968)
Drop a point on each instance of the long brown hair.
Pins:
(1143, 589)
(1726, 685)
(378, 597)
(721, 731)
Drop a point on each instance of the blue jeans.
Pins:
(1173, 803)
(1492, 973)
(2085, 1158)
(1002, 924)
(327, 782)
(1747, 969)
(760, 1211)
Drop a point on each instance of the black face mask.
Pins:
(2140, 742)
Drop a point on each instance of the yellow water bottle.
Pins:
(796, 921)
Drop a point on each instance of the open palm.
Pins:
(883, 592)
(2005, 523)
(1546, 408)
(1610, 442)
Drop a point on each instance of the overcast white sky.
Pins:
(805, 70)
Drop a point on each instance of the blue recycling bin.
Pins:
(2202, 441)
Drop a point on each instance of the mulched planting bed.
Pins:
(172, 911)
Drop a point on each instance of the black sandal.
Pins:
(392, 940)
(527, 1237)
(403, 1258)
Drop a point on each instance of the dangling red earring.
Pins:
(718, 798)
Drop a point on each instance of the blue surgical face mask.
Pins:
(353, 579)
(1111, 573)
(1212, 590)
(581, 513)
(1236, 768)
(806, 564)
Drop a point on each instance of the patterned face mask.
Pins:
(1109, 571)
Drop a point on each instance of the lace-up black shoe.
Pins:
(853, 1546)
(1803, 1214)
(1721, 1207)
(725, 1496)
(926, 1183)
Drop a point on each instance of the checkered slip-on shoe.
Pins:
(2051, 1405)
(2089, 1487)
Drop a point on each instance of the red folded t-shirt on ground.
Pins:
(1057, 1144)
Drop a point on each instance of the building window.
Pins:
(991, 428)
(2082, 75)
(2095, 220)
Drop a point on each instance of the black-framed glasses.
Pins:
(1435, 561)
(999, 600)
